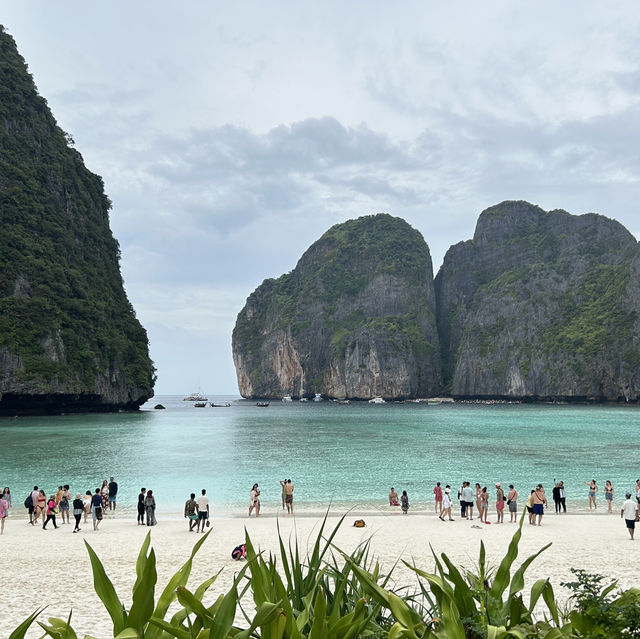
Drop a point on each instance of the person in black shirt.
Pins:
(141, 497)
(78, 509)
(113, 491)
(96, 508)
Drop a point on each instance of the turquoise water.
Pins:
(349, 454)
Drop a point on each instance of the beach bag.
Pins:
(359, 523)
(28, 502)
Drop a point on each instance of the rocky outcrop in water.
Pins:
(541, 305)
(69, 338)
(354, 319)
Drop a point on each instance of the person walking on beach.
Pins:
(563, 497)
(87, 506)
(4, 507)
(150, 508)
(437, 491)
(404, 502)
(190, 508)
(446, 503)
(593, 489)
(113, 491)
(629, 512)
(78, 509)
(203, 510)
(96, 508)
(42, 505)
(608, 495)
(141, 497)
(499, 504)
(393, 497)
(254, 500)
(512, 502)
(539, 502)
(51, 512)
(33, 517)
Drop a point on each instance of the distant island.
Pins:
(69, 338)
(538, 306)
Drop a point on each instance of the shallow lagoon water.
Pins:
(349, 455)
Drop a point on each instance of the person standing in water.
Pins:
(404, 501)
(593, 489)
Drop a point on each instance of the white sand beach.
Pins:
(52, 566)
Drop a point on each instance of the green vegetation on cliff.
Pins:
(63, 309)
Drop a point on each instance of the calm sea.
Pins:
(347, 454)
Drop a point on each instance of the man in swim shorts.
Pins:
(203, 510)
(539, 502)
(288, 498)
(629, 512)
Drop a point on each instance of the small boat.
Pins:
(262, 404)
(343, 402)
(317, 398)
(195, 397)
(287, 398)
(377, 400)
(200, 404)
(304, 399)
(214, 405)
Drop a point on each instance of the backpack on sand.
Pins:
(359, 523)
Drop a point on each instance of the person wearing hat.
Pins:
(499, 503)
(629, 513)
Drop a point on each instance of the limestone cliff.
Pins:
(541, 305)
(69, 338)
(354, 319)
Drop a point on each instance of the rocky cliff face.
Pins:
(69, 338)
(354, 319)
(541, 305)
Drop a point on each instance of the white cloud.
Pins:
(231, 137)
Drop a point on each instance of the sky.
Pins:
(231, 136)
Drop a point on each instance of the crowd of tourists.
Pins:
(478, 498)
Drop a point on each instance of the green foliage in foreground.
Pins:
(332, 595)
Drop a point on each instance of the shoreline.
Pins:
(52, 567)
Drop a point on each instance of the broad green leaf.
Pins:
(107, 593)
(142, 597)
(170, 629)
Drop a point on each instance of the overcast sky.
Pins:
(230, 136)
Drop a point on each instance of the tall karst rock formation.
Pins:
(541, 305)
(69, 338)
(354, 319)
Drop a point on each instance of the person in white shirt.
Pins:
(203, 510)
(629, 512)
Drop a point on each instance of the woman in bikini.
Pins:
(593, 489)
(608, 495)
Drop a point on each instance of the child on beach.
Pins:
(446, 503)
